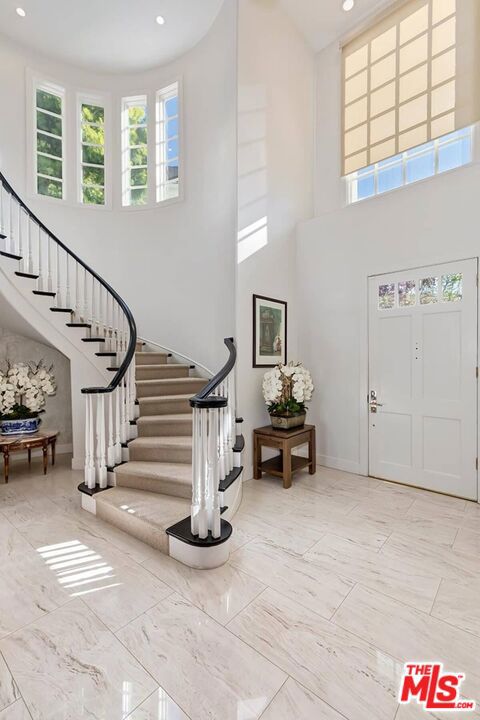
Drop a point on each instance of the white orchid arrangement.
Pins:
(286, 389)
(23, 390)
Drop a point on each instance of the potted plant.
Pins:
(23, 390)
(286, 389)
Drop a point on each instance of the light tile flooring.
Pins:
(332, 585)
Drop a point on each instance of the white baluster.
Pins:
(123, 410)
(111, 446)
(196, 465)
(118, 422)
(40, 261)
(89, 444)
(21, 251)
(11, 243)
(59, 286)
(77, 308)
(49, 264)
(126, 380)
(85, 316)
(221, 443)
(68, 299)
(213, 474)
(232, 431)
(133, 390)
(29, 247)
(100, 433)
(202, 476)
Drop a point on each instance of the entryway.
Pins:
(423, 377)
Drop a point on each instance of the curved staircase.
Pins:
(162, 460)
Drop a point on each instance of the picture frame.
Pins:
(269, 331)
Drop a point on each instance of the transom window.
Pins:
(49, 129)
(168, 143)
(135, 151)
(432, 158)
(427, 291)
(92, 163)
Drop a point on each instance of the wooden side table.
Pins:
(18, 443)
(285, 464)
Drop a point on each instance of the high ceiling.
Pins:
(323, 21)
(110, 36)
(116, 36)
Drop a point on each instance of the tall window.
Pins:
(134, 151)
(92, 165)
(410, 79)
(168, 143)
(49, 156)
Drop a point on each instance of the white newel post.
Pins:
(89, 444)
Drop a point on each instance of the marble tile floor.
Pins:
(331, 586)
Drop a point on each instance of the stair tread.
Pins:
(177, 472)
(155, 509)
(164, 398)
(165, 419)
(164, 441)
(171, 381)
(163, 366)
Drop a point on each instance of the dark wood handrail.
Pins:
(120, 374)
(205, 399)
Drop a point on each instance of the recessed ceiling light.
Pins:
(160, 20)
(348, 5)
(21, 12)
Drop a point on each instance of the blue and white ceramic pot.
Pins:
(19, 427)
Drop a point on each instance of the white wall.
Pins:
(58, 408)
(433, 221)
(275, 148)
(174, 265)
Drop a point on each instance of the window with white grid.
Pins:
(168, 143)
(49, 104)
(92, 151)
(134, 151)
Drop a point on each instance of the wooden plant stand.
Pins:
(285, 464)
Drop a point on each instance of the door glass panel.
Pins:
(428, 291)
(386, 297)
(452, 287)
(406, 293)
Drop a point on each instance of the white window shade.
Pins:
(409, 79)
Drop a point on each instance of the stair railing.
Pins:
(90, 303)
(213, 443)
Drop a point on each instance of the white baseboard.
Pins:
(335, 463)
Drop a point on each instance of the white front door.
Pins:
(423, 377)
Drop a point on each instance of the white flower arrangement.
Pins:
(286, 389)
(23, 390)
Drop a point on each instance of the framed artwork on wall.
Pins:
(269, 331)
